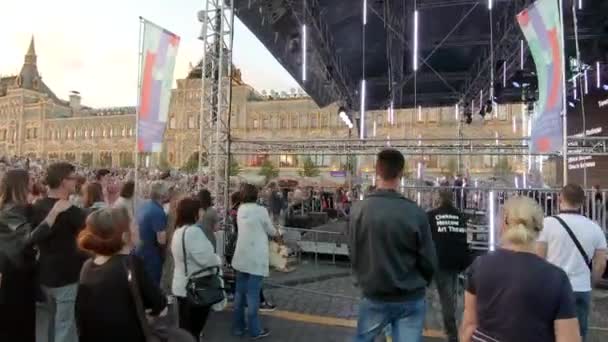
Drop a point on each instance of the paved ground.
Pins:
(218, 329)
(327, 290)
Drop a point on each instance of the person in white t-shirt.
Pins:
(556, 245)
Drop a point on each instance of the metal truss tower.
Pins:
(217, 34)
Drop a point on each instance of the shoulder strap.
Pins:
(184, 250)
(575, 240)
(136, 295)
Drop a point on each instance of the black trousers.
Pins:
(192, 318)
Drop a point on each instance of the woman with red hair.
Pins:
(105, 280)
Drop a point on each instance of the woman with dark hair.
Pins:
(126, 199)
(104, 289)
(251, 261)
(190, 247)
(93, 197)
(208, 216)
(17, 257)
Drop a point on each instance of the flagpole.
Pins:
(139, 63)
(564, 101)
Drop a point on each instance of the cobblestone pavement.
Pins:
(218, 329)
(338, 297)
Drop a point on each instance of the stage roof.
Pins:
(454, 45)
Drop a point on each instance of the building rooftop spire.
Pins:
(30, 56)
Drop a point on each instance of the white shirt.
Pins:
(251, 252)
(562, 252)
(199, 252)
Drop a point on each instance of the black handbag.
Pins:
(204, 287)
(158, 330)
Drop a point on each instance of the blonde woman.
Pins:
(514, 295)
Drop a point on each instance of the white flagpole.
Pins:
(564, 104)
(139, 64)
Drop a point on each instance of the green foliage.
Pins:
(234, 167)
(163, 163)
(268, 170)
(451, 168)
(192, 164)
(502, 166)
(309, 169)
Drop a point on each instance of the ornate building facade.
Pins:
(36, 122)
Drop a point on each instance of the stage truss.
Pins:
(217, 19)
(590, 146)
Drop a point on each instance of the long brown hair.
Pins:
(93, 192)
(14, 187)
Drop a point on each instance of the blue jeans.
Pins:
(248, 287)
(56, 321)
(583, 302)
(406, 320)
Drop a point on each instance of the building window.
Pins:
(433, 114)
(294, 121)
(92, 133)
(287, 161)
(283, 122)
(256, 124)
(172, 122)
(314, 120)
(111, 132)
(191, 122)
(257, 160)
(86, 133)
(324, 122)
(503, 111)
(266, 123)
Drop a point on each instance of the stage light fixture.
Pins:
(415, 57)
(362, 119)
(597, 74)
(304, 52)
(605, 87)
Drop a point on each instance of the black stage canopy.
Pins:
(454, 46)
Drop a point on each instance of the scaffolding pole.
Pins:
(217, 19)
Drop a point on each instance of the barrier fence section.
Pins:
(327, 246)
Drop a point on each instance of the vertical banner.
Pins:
(541, 26)
(159, 50)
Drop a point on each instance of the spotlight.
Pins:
(605, 87)
(571, 104)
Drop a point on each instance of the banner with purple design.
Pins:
(158, 61)
(540, 24)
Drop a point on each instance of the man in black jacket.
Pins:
(448, 227)
(60, 259)
(393, 256)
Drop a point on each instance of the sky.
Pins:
(92, 46)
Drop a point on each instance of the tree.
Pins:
(309, 169)
(163, 163)
(192, 163)
(451, 168)
(502, 167)
(234, 167)
(268, 170)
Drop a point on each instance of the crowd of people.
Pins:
(536, 285)
(83, 257)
